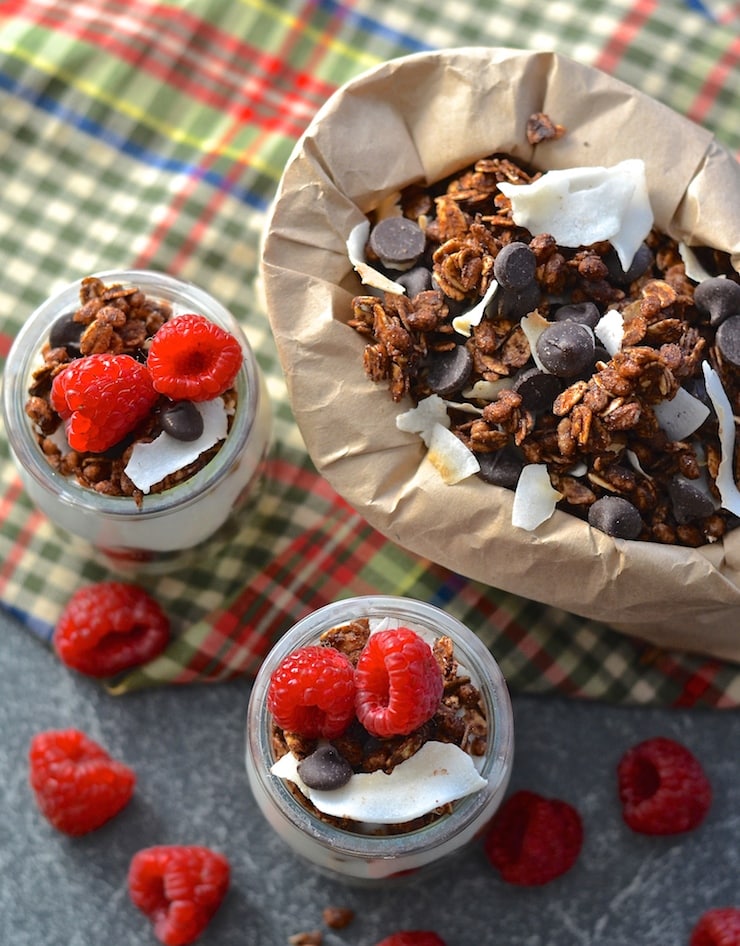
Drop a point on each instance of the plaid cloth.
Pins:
(136, 133)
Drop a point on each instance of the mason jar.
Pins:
(360, 856)
(158, 534)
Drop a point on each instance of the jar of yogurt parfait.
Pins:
(435, 795)
(186, 491)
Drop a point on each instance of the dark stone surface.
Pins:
(186, 745)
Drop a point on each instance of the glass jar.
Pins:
(157, 535)
(363, 857)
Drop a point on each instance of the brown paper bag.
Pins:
(418, 119)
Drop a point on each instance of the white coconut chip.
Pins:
(581, 206)
(437, 774)
(725, 481)
(464, 323)
(533, 325)
(692, 264)
(422, 419)
(486, 390)
(356, 242)
(682, 415)
(610, 331)
(534, 497)
(450, 457)
(152, 462)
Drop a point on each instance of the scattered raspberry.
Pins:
(102, 398)
(109, 627)
(312, 692)
(662, 787)
(412, 938)
(179, 889)
(77, 785)
(532, 840)
(399, 683)
(719, 927)
(193, 359)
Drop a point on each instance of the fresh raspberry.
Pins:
(77, 785)
(193, 359)
(532, 840)
(179, 888)
(399, 683)
(109, 627)
(103, 398)
(662, 787)
(719, 927)
(312, 692)
(412, 938)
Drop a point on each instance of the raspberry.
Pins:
(532, 840)
(312, 692)
(179, 888)
(109, 627)
(719, 927)
(412, 938)
(102, 398)
(193, 359)
(399, 683)
(77, 785)
(662, 787)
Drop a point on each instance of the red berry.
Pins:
(109, 627)
(399, 683)
(312, 692)
(532, 840)
(179, 888)
(719, 927)
(662, 787)
(102, 398)
(192, 358)
(77, 785)
(412, 938)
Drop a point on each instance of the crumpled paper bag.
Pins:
(417, 119)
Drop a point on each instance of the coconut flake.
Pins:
(692, 264)
(486, 390)
(437, 774)
(450, 457)
(464, 323)
(725, 481)
(422, 419)
(152, 462)
(533, 325)
(534, 497)
(356, 242)
(581, 206)
(682, 415)
(610, 331)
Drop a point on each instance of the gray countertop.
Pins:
(186, 745)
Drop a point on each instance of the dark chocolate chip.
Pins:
(415, 280)
(537, 389)
(728, 340)
(688, 501)
(615, 516)
(514, 267)
(515, 305)
(449, 371)
(719, 298)
(325, 769)
(641, 262)
(501, 468)
(66, 333)
(566, 349)
(181, 420)
(585, 313)
(397, 242)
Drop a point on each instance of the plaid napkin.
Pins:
(149, 135)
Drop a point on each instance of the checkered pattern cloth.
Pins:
(137, 133)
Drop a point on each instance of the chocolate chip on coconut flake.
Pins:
(325, 769)
(515, 266)
(615, 516)
(719, 298)
(566, 349)
(181, 420)
(397, 242)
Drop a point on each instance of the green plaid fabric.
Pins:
(135, 134)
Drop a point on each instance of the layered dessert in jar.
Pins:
(379, 737)
(137, 415)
